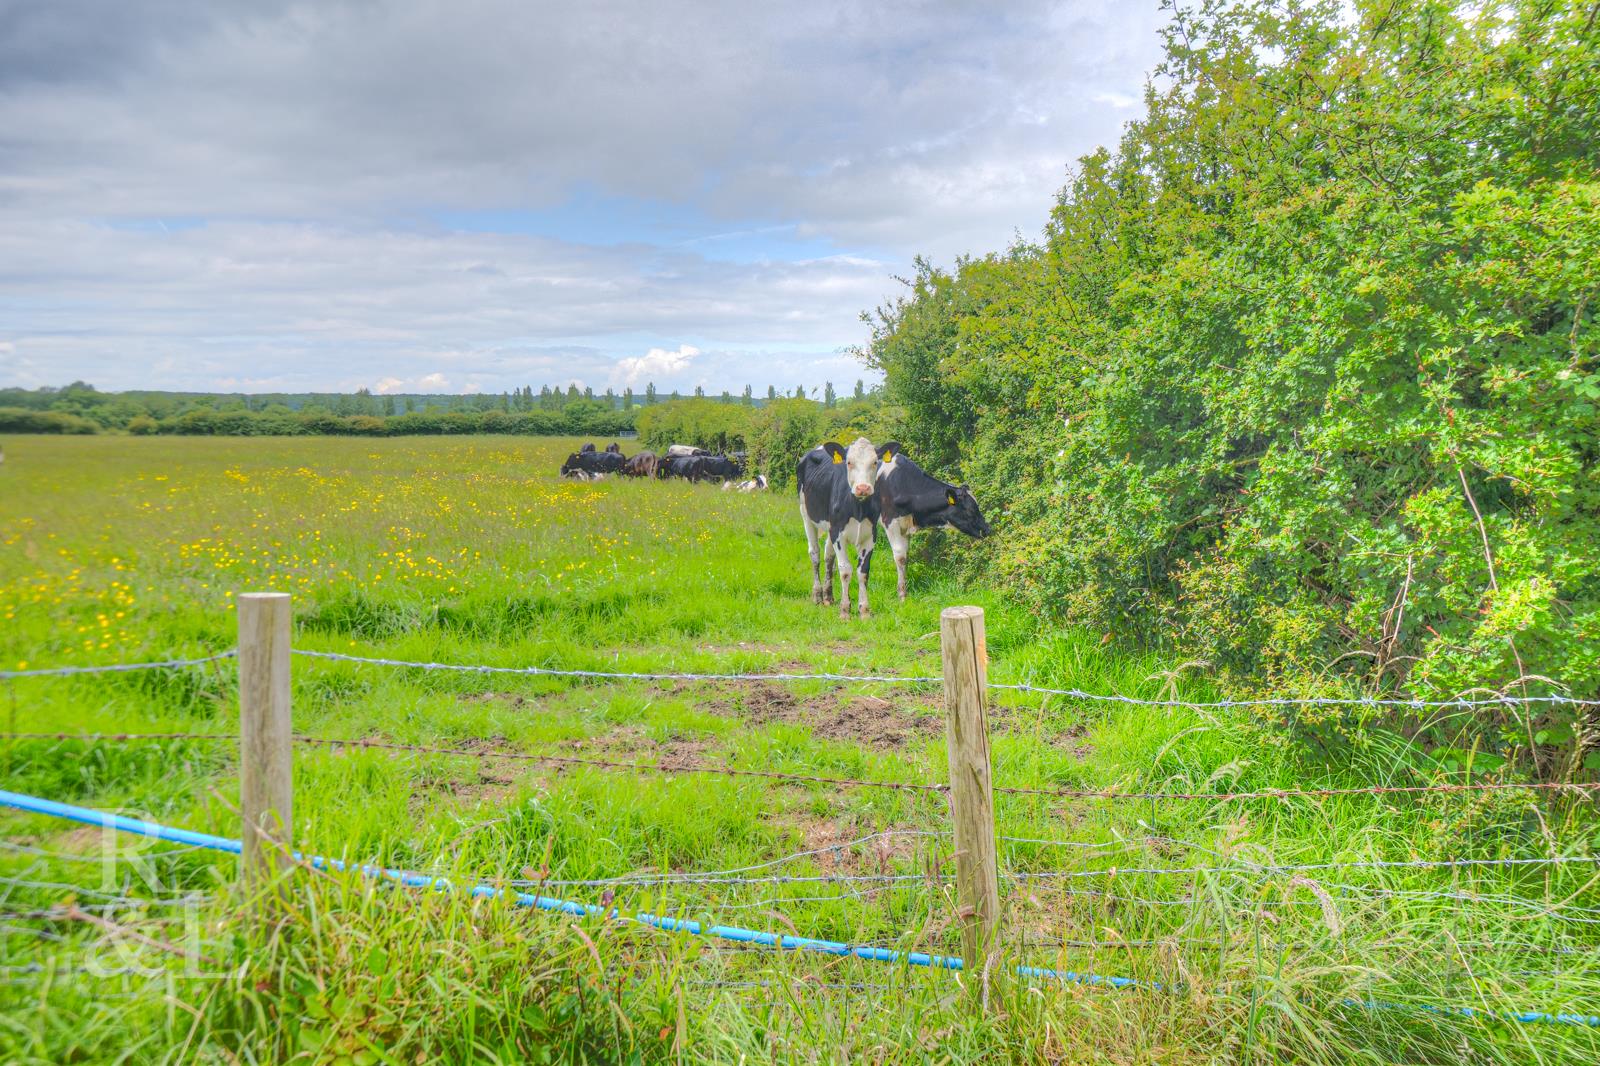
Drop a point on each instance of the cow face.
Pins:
(861, 468)
(964, 513)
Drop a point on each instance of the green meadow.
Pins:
(472, 551)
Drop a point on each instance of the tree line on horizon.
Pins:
(80, 408)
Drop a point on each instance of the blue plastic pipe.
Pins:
(141, 827)
(786, 942)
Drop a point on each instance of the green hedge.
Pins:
(1304, 378)
(22, 420)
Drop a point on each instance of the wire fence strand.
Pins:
(1413, 702)
(118, 668)
(1499, 699)
(1580, 788)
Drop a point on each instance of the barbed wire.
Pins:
(1245, 867)
(614, 675)
(113, 856)
(1581, 787)
(896, 679)
(118, 668)
(691, 877)
(1416, 703)
(1292, 701)
(110, 900)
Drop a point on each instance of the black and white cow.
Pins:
(910, 499)
(837, 500)
(592, 462)
(688, 467)
(720, 466)
(683, 451)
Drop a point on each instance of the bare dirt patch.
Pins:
(871, 721)
(483, 784)
(672, 753)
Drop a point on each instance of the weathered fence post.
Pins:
(265, 780)
(966, 678)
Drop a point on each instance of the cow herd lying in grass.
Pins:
(680, 460)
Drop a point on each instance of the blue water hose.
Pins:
(140, 827)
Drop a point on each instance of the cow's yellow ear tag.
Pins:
(950, 498)
(838, 458)
(888, 456)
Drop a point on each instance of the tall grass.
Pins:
(471, 551)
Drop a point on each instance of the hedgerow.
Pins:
(1302, 378)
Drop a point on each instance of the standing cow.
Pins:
(837, 499)
(910, 499)
(641, 464)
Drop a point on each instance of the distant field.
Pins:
(470, 550)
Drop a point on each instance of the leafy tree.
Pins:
(1304, 376)
(828, 398)
(699, 421)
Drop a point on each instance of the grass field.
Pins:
(471, 551)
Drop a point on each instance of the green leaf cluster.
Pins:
(1304, 376)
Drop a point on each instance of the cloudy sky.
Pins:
(480, 194)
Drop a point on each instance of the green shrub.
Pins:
(1305, 377)
(709, 424)
(22, 420)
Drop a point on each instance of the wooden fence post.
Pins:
(265, 780)
(966, 699)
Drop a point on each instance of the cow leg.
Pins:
(900, 546)
(842, 551)
(863, 569)
(829, 553)
(816, 558)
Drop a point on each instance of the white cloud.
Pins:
(433, 383)
(388, 385)
(242, 185)
(471, 388)
(656, 363)
(1120, 101)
